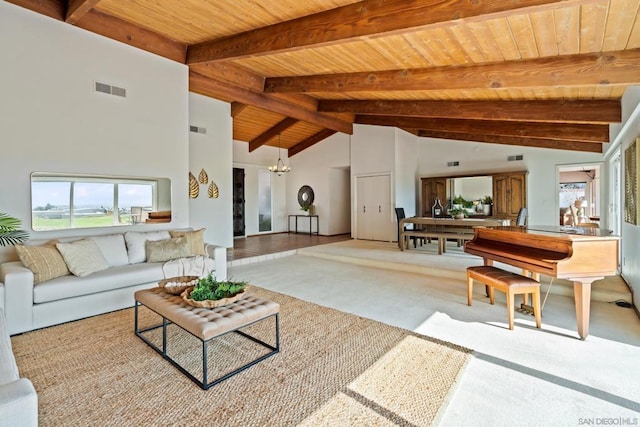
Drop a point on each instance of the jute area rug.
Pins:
(333, 369)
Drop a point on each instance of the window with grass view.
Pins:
(61, 202)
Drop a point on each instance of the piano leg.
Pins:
(582, 297)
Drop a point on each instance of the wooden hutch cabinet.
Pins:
(509, 193)
(432, 188)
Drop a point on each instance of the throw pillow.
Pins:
(166, 250)
(113, 248)
(44, 261)
(83, 257)
(195, 239)
(136, 243)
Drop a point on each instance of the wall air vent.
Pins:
(515, 158)
(451, 164)
(196, 129)
(111, 90)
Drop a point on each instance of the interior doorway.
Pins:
(579, 194)
(238, 203)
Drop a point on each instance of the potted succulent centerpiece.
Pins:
(211, 293)
(10, 232)
(457, 213)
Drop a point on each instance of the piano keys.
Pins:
(581, 255)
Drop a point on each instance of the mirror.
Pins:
(63, 201)
(305, 196)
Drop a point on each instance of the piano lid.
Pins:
(558, 230)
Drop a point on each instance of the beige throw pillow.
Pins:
(195, 239)
(44, 261)
(166, 250)
(83, 257)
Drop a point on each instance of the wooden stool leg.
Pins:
(469, 289)
(536, 308)
(510, 298)
(491, 295)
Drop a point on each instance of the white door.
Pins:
(373, 205)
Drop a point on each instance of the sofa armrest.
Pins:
(18, 404)
(18, 296)
(219, 255)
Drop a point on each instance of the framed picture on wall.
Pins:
(631, 188)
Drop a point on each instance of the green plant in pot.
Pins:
(208, 288)
(10, 232)
(458, 213)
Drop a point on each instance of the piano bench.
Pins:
(510, 283)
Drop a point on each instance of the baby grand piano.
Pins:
(582, 255)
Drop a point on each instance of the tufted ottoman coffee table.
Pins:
(206, 325)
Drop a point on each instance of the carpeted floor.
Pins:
(334, 368)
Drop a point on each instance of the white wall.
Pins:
(323, 167)
(252, 163)
(213, 153)
(53, 121)
(406, 171)
(624, 135)
(479, 158)
(339, 201)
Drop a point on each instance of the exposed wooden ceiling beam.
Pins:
(308, 142)
(591, 147)
(237, 108)
(365, 19)
(223, 90)
(559, 131)
(605, 68)
(125, 32)
(76, 9)
(273, 131)
(242, 77)
(52, 8)
(551, 111)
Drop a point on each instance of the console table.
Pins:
(311, 218)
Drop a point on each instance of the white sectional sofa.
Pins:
(30, 305)
(18, 398)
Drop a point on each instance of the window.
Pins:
(74, 201)
(264, 201)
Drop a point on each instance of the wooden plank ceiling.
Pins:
(536, 73)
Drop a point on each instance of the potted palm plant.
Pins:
(10, 232)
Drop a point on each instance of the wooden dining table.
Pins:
(444, 228)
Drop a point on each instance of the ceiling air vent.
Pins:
(196, 129)
(111, 90)
(450, 164)
(515, 158)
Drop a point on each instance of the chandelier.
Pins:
(279, 168)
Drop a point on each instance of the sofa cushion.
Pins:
(44, 261)
(106, 280)
(113, 248)
(195, 238)
(136, 243)
(83, 257)
(168, 249)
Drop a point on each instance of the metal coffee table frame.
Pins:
(203, 383)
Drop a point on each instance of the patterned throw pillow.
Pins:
(83, 257)
(136, 247)
(195, 239)
(44, 261)
(166, 250)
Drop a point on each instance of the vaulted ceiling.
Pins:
(536, 73)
